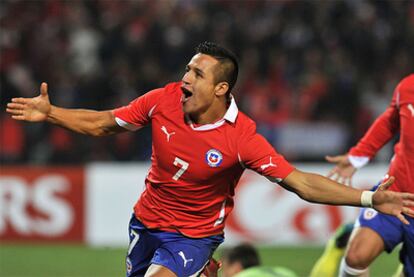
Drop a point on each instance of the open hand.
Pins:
(31, 109)
(343, 170)
(393, 203)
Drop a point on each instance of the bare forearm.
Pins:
(319, 189)
(88, 122)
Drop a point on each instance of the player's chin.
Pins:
(188, 108)
(185, 109)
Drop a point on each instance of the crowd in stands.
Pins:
(301, 61)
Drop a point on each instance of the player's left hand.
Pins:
(343, 170)
(393, 203)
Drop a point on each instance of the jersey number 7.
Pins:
(183, 164)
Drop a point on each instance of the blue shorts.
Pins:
(392, 232)
(183, 255)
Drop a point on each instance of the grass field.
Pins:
(72, 260)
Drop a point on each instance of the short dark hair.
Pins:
(227, 59)
(244, 253)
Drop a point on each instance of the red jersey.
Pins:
(399, 117)
(195, 169)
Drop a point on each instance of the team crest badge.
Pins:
(370, 214)
(214, 158)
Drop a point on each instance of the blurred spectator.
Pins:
(302, 61)
(11, 141)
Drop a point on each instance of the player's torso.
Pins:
(187, 158)
(406, 110)
(403, 165)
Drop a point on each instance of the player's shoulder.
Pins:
(406, 85)
(164, 95)
(245, 125)
(174, 87)
(168, 89)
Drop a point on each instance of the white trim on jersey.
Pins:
(221, 215)
(207, 127)
(240, 161)
(151, 111)
(274, 179)
(397, 100)
(411, 109)
(126, 125)
(358, 161)
(232, 111)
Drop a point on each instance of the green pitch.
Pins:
(82, 261)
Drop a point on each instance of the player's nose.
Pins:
(186, 78)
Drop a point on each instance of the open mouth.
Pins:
(186, 94)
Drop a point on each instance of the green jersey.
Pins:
(266, 271)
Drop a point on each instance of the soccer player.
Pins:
(377, 232)
(244, 261)
(328, 263)
(202, 144)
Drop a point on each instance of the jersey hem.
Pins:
(176, 230)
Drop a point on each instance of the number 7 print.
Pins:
(184, 165)
(133, 241)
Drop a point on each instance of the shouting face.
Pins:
(200, 91)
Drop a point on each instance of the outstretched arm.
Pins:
(316, 188)
(89, 122)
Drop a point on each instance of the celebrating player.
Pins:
(202, 144)
(378, 232)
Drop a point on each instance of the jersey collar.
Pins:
(232, 111)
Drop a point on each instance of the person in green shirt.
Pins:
(244, 261)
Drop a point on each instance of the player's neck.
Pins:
(211, 115)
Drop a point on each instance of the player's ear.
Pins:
(221, 88)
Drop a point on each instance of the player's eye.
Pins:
(199, 73)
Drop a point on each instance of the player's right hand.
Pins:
(31, 109)
(343, 170)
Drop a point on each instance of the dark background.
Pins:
(304, 64)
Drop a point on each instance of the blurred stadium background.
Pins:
(314, 74)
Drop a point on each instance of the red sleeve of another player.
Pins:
(138, 113)
(380, 132)
(257, 154)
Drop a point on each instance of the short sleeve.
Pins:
(257, 154)
(138, 113)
